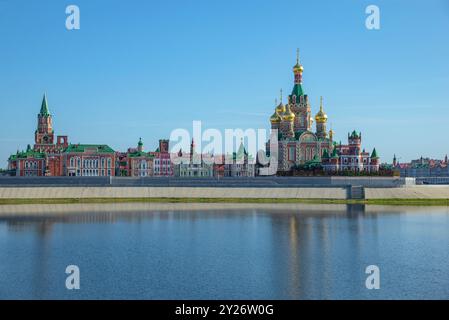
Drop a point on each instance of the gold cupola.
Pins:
(275, 118)
(321, 117)
(280, 109)
(298, 68)
(288, 115)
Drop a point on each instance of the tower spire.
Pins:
(44, 106)
(297, 71)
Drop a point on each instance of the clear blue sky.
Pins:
(142, 68)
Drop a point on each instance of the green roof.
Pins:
(140, 143)
(297, 91)
(374, 154)
(334, 153)
(138, 154)
(29, 153)
(355, 135)
(100, 148)
(325, 154)
(44, 107)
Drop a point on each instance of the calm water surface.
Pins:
(223, 251)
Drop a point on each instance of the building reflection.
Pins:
(310, 252)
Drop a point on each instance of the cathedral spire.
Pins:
(44, 107)
(298, 69)
(297, 89)
(321, 116)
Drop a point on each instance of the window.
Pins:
(291, 154)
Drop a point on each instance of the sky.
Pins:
(144, 68)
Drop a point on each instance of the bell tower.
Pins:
(44, 134)
(299, 101)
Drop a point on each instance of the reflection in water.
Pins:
(223, 251)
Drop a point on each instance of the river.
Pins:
(223, 251)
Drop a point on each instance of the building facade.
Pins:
(240, 164)
(139, 162)
(88, 160)
(56, 157)
(299, 144)
(162, 164)
(192, 165)
(423, 167)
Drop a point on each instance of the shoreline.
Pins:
(389, 201)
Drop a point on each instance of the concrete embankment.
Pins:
(333, 193)
(411, 192)
(170, 192)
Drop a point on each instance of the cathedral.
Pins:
(299, 145)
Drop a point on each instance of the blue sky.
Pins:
(143, 68)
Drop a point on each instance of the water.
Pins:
(223, 251)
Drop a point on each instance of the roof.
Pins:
(29, 153)
(44, 107)
(297, 91)
(355, 135)
(100, 148)
(374, 154)
(138, 154)
(334, 153)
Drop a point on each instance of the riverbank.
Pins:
(403, 202)
(410, 195)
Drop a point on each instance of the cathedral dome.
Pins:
(297, 68)
(321, 116)
(275, 118)
(280, 108)
(288, 115)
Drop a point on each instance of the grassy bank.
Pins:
(408, 202)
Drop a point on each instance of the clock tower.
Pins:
(44, 135)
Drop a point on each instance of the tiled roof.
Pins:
(100, 148)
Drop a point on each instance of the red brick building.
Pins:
(50, 157)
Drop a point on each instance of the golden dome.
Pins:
(280, 108)
(288, 115)
(297, 67)
(275, 118)
(321, 117)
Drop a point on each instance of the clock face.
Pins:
(45, 139)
